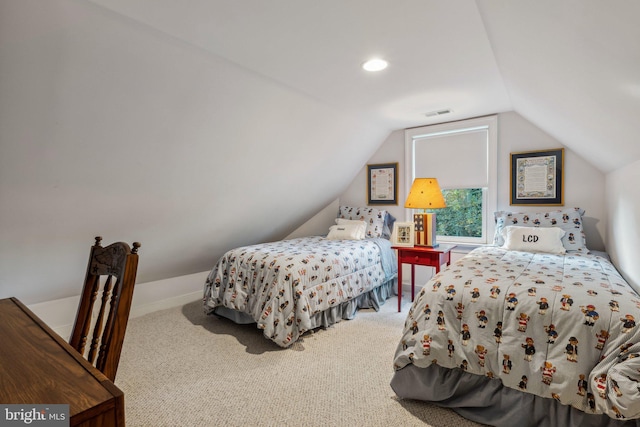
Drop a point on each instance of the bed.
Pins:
(535, 330)
(293, 286)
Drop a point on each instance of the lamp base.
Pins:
(425, 229)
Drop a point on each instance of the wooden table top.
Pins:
(38, 367)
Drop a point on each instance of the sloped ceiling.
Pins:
(198, 126)
(438, 51)
(572, 67)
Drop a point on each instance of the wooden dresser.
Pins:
(38, 367)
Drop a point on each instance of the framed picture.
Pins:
(537, 178)
(382, 184)
(403, 234)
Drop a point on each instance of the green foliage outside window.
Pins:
(463, 215)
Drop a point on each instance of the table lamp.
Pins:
(425, 193)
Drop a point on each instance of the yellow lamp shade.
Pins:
(425, 193)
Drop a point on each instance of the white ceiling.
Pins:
(439, 54)
(572, 67)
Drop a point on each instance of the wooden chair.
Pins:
(107, 333)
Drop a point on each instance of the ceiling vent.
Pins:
(437, 113)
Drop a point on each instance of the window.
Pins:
(463, 215)
(462, 156)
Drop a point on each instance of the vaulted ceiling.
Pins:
(196, 126)
(572, 67)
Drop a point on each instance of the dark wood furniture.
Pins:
(37, 366)
(420, 255)
(98, 334)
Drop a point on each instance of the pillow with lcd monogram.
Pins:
(569, 220)
(532, 239)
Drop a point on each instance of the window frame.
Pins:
(489, 194)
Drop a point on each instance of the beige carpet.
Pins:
(182, 368)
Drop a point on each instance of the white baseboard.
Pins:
(147, 298)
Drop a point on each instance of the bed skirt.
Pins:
(347, 310)
(487, 401)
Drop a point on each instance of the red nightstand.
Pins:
(420, 255)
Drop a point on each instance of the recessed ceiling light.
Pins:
(375, 64)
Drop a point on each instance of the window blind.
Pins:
(457, 159)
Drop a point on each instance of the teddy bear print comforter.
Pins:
(559, 326)
(282, 285)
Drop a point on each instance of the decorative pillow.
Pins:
(347, 231)
(374, 218)
(534, 239)
(569, 220)
(360, 225)
(388, 226)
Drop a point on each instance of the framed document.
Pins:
(403, 234)
(382, 184)
(537, 178)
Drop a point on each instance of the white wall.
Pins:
(355, 193)
(623, 206)
(319, 224)
(392, 151)
(109, 127)
(584, 184)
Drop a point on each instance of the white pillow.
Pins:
(360, 223)
(570, 220)
(354, 230)
(532, 239)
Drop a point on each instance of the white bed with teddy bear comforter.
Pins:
(535, 330)
(293, 286)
